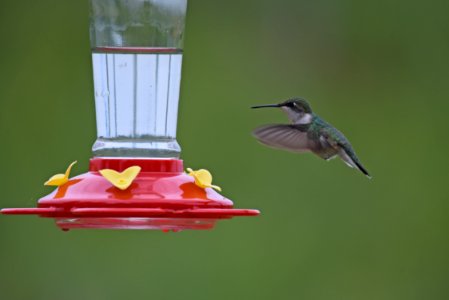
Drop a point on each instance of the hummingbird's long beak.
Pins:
(266, 105)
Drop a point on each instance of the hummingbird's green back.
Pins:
(320, 128)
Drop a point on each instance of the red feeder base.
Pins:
(161, 197)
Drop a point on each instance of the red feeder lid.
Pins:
(161, 197)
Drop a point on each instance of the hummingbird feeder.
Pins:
(136, 179)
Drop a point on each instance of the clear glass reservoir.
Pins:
(137, 58)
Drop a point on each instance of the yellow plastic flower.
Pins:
(203, 179)
(60, 179)
(121, 180)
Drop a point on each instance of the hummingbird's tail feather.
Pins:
(363, 170)
(349, 157)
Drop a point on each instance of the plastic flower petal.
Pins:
(60, 179)
(203, 178)
(121, 180)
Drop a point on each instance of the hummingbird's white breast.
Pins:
(296, 117)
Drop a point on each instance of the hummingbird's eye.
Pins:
(295, 106)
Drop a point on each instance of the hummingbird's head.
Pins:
(297, 110)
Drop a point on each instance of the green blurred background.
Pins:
(378, 70)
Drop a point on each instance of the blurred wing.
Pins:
(282, 136)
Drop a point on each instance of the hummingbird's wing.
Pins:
(281, 136)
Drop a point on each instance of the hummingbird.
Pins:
(307, 132)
